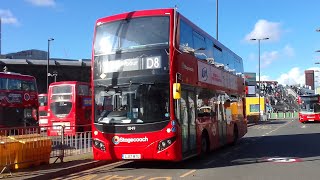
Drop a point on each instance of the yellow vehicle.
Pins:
(252, 108)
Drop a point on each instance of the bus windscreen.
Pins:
(130, 34)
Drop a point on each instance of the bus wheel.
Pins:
(235, 135)
(204, 143)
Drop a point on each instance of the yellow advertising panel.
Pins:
(252, 105)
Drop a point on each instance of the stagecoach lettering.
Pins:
(131, 64)
(15, 98)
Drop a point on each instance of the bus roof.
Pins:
(16, 75)
(167, 11)
(139, 13)
(68, 82)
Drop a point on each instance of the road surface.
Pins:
(276, 150)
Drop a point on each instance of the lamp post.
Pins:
(259, 39)
(217, 18)
(54, 74)
(48, 58)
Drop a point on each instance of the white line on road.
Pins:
(304, 126)
(225, 154)
(188, 173)
(108, 166)
(237, 148)
(277, 128)
(210, 162)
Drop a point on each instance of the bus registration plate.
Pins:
(131, 156)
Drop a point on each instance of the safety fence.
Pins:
(32, 146)
(283, 115)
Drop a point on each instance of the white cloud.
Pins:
(49, 3)
(263, 78)
(268, 57)
(7, 17)
(288, 51)
(293, 77)
(265, 29)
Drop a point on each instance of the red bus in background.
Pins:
(309, 108)
(163, 89)
(18, 100)
(69, 105)
(43, 110)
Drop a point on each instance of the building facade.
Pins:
(309, 78)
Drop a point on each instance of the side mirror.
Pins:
(176, 90)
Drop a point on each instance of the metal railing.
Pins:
(283, 115)
(22, 147)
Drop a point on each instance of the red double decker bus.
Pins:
(309, 108)
(43, 111)
(18, 100)
(163, 89)
(69, 105)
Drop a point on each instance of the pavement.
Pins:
(72, 164)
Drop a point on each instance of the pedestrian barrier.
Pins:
(31, 146)
(71, 144)
(282, 115)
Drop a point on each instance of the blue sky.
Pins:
(290, 25)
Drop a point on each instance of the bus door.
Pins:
(222, 121)
(187, 120)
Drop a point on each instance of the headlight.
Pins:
(165, 143)
(98, 144)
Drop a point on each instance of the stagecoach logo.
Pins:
(26, 97)
(204, 74)
(117, 140)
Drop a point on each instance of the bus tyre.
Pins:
(204, 143)
(235, 135)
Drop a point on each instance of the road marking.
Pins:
(88, 177)
(277, 128)
(108, 166)
(166, 178)
(208, 163)
(69, 177)
(103, 178)
(283, 160)
(225, 154)
(188, 173)
(304, 126)
(138, 178)
(236, 149)
(119, 177)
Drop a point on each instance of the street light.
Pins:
(54, 74)
(217, 18)
(259, 39)
(48, 58)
